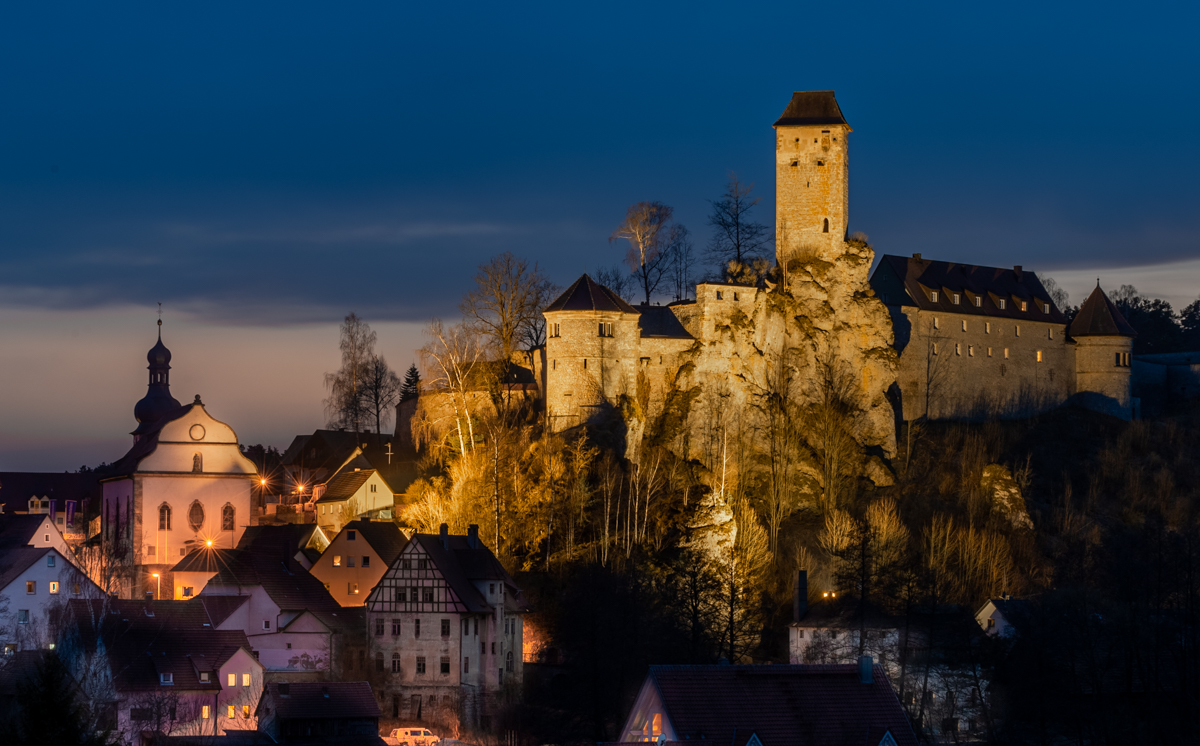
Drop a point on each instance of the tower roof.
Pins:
(811, 107)
(588, 295)
(158, 402)
(1099, 317)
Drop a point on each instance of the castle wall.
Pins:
(983, 367)
(812, 177)
(585, 370)
(1102, 372)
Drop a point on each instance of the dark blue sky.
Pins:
(265, 164)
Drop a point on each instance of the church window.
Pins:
(196, 515)
(933, 296)
(955, 300)
(164, 517)
(826, 229)
(227, 518)
(1039, 356)
(197, 463)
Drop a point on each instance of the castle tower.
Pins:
(1103, 351)
(812, 172)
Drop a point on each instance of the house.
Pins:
(444, 628)
(301, 712)
(298, 630)
(160, 668)
(838, 705)
(999, 616)
(37, 577)
(62, 496)
(183, 484)
(357, 558)
(352, 494)
(304, 543)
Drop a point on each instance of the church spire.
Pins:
(158, 400)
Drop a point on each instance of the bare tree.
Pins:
(645, 227)
(506, 304)
(682, 262)
(829, 428)
(736, 237)
(451, 359)
(1057, 294)
(345, 406)
(617, 280)
(380, 390)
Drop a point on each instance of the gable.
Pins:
(305, 622)
(195, 431)
(414, 569)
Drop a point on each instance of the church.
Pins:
(183, 485)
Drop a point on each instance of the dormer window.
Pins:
(979, 301)
(1002, 303)
(1024, 306)
(933, 296)
(166, 679)
(955, 299)
(204, 677)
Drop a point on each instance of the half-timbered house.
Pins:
(444, 630)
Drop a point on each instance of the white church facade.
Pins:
(183, 485)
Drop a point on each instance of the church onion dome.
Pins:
(159, 354)
(1100, 317)
(158, 402)
(588, 295)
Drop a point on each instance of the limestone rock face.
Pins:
(1005, 494)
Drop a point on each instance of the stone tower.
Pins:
(1103, 350)
(812, 178)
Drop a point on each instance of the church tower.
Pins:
(812, 179)
(158, 401)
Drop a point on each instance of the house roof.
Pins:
(19, 530)
(344, 485)
(147, 639)
(585, 294)
(292, 534)
(331, 700)
(1099, 317)
(811, 107)
(661, 321)
(15, 561)
(324, 452)
(907, 281)
(462, 565)
(220, 608)
(825, 704)
(383, 536)
(16, 487)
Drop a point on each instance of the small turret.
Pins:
(1103, 356)
(158, 401)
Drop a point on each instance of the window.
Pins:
(466, 627)
(508, 662)
(979, 301)
(1002, 303)
(412, 595)
(826, 228)
(970, 350)
(427, 595)
(204, 676)
(166, 678)
(395, 663)
(351, 535)
(337, 560)
(933, 296)
(964, 325)
(373, 488)
(416, 628)
(204, 712)
(379, 662)
(196, 515)
(445, 628)
(30, 587)
(50, 561)
(957, 348)
(351, 589)
(350, 560)
(491, 588)
(1039, 356)
(935, 348)
(987, 327)
(420, 664)
(232, 679)
(936, 324)
(187, 591)
(555, 330)
(1018, 330)
(149, 550)
(1051, 333)
(406, 565)
(246, 711)
(164, 517)
(54, 586)
(232, 712)
(606, 329)
(466, 665)
(1024, 306)
(1003, 369)
(954, 298)
(400, 595)
(227, 518)
(445, 664)
(22, 616)
(396, 627)
(1005, 353)
(266, 624)
(989, 352)
(735, 297)
(718, 295)
(366, 561)
(245, 679)
(379, 626)
(991, 623)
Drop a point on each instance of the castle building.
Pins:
(184, 484)
(971, 341)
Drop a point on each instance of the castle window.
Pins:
(585, 363)
(957, 348)
(1039, 356)
(933, 296)
(719, 297)
(1005, 353)
(989, 352)
(227, 518)
(970, 350)
(955, 301)
(935, 348)
(1003, 367)
(196, 515)
(964, 325)
(987, 327)
(826, 229)
(164, 517)
(1118, 359)
(979, 301)
(1051, 333)
(1002, 303)
(197, 463)
(1018, 330)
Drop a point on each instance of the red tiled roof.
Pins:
(810, 705)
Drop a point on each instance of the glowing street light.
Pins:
(158, 578)
(208, 543)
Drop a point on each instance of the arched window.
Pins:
(824, 231)
(227, 518)
(164, 517)
(379, 662)
(196, 515)
(198, 460)
(508, 662)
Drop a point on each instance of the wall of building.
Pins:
(584, 370)
(1102, 369)
(812, 178)
(37, 631)
(982, 366)
(341, 578)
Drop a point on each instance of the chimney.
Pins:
(917, 257)
(444, 532)
(1017, 270)
(866, 670)
(800, 596)
(473, 536)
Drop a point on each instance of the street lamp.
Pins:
(158, 578)
(208, 543)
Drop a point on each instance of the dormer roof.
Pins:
(585, 294)
(811, 108)
(1100, 317)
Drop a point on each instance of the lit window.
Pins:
(54, 586)
(1003, 302)
(245, 679)
(227, 518)
(351, 589)
(955, 299)
(989, 352)
(1024, 306)
(337, 560)
(1005, 353)
(1039, 356)
(933, 296)
(30, 587)
(232, 679)
(232, 712)
(246, 711)
(204, 712)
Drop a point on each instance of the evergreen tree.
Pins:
(48, 711)
(411, 388)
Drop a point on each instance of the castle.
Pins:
(920, 338)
